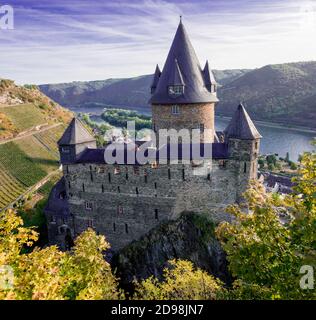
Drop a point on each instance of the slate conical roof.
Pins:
(209, 78)
(194, 85)
(76, 133)
(176, 78)
(241, 126)
(157, 75)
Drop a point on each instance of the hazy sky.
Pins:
(70, 40)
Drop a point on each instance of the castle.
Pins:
(125, 200)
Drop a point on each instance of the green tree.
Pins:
(267, 245)
(181, 282)
(81, 273)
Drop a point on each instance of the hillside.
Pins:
(30, 126)
(132, 93)
(283, 93)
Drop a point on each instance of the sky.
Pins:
(77, 40)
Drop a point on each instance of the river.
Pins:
(278, 140)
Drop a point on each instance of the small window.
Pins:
(136, 170)
(83, 188)
(154, 165)
(156, 214)
(126, 227)
(256, 145)
(245, 167)
(109, 177)
(114, 226)
(101, 170)
(175, 109)
(169, 173)
(201, 127)
(118, 189)
(137, 191)
(222, 164)
(175, 90)
(89, 205)
(183, 174)
(65, 150)
(90, 223)
(102, 188)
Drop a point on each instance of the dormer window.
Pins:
(176, 90)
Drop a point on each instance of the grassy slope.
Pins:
(24, 162)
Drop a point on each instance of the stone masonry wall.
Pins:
(190, 116)
(125, 202)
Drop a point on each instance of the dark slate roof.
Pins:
(156, 78)
(76, 133)
(209, 78)
(57, 205)
(176, 78)
(195, 90)
(207, 151)
(241, 126)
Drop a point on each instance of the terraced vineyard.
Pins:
(10, 188)
(26, 161)
(49, 138)
(24, 116)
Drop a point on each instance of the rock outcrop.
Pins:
(191, 237)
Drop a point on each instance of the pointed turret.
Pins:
(243, 140)
(194, 90)
(241, 126)
(209, 79)
(74, 141)
(157, 75)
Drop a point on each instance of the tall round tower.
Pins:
(184, 95)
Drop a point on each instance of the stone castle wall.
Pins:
(125, 202)
(190, 116)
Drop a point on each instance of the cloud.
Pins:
(59, 41)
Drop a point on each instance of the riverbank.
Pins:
(275, 125)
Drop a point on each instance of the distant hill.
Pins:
(30, 126)
(131, 93)
(283, 93)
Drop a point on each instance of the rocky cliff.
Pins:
(190, 237)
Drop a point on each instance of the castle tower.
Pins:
(243, 141)
(184, 95)
(74, 141)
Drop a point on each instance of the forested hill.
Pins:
(284, 93)
(131, 93)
